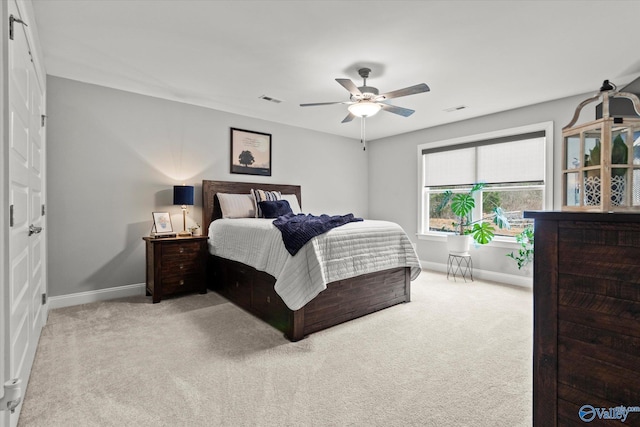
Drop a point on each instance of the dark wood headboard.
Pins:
(211, 207)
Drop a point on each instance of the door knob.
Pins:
(34, 230)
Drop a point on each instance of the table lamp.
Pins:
(183, 195)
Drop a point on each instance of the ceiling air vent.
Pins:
(270, 99)
(459, 107)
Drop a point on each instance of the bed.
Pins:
(254, 290)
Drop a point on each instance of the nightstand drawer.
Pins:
(184, 283)
(179, 265)
(181, 249)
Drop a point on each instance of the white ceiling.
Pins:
(489, 56)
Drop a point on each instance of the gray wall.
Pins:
(393, 180)
(113, 158)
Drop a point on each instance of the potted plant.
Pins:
(619, 156)
(195, 229)
(525, 253)
(481, 231)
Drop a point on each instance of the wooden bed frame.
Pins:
(253, 290)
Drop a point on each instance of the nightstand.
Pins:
(176, 265)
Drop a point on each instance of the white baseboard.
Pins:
(139, 289)
(99, 295)
(494, 276)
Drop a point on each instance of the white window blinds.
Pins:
(518, 158)
(456, 167)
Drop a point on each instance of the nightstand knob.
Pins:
(181, 250)
(181, 266)
(181, 282)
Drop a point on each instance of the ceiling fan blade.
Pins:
(350, 86)
(322, 103)
(405, 112)
(349, 117)
(411, 90)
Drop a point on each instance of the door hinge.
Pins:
(43, 210)
(11, 216)
(13, 19)
(43, 117)
(44, 299)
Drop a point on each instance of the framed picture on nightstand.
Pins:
(162, 223)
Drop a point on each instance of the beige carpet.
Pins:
(460, 354)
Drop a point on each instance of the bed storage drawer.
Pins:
(250, 289)
(234, 280)
(268, 303)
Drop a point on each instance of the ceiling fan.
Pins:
(365, 101)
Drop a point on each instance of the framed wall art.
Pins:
(250, 152)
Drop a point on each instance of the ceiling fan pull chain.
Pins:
(362, 134)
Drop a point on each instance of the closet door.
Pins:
(24, 298)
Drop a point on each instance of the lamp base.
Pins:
(184, 232)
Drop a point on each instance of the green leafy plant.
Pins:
(619, 156)
(462, 205)
(525, 253)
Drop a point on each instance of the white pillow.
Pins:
(236, 205)
(293, 202)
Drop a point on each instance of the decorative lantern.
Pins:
(601, 159)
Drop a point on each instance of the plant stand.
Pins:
(460, 264)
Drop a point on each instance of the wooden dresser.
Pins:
(176, 265)
(586, 344)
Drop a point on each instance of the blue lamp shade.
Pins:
(183, 195)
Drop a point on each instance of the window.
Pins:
(514, 164)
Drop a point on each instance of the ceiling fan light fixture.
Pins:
(364, 108)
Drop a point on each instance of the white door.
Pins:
(4, 174)
(27, 278)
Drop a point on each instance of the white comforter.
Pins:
(346, 251)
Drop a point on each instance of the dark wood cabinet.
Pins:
(176, 265)
(586, 341)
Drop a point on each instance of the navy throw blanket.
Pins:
(299, 229)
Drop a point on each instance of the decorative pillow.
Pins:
(263, 196)
(293, 202)
(236, 205)
(275, 208)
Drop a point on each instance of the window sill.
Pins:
(497, 242)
